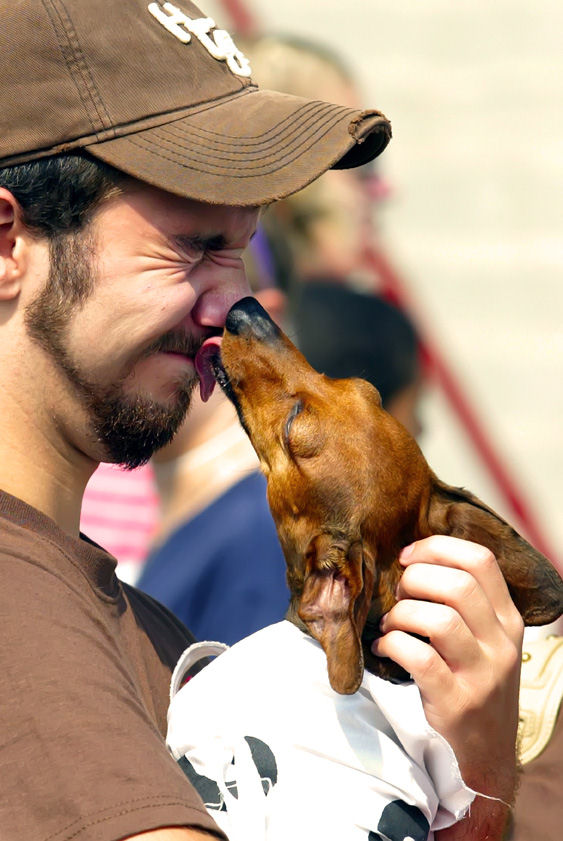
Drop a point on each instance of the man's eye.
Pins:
(190, 248)
(296, 410)
(190, 254)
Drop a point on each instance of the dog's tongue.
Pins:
(203, 365)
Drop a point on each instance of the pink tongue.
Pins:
(208, 350)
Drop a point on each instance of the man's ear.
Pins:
(12, 246)
(535, 585)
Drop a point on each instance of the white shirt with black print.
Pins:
(277, 755)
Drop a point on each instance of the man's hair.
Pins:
(58, 194)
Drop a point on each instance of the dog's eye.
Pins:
(303, 439)
(296, 410)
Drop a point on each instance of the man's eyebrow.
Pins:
(189, 242)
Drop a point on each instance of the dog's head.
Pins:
(348, 488)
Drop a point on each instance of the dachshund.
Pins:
(348, 488)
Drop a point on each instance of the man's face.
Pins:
(127, 305)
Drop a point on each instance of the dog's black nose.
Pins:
(248, 318)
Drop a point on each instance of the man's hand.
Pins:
(453, 594)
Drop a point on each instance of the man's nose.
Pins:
(218, 296)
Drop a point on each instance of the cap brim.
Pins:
(247, 149)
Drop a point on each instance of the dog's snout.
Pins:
(248, 318)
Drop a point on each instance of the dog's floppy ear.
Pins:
(334, 605)
(535, 586)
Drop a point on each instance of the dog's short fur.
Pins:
(348, 488)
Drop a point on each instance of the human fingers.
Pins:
(440, 625)
(457, 591)
(466, 658)
(469, 690)
(421, 661)
(453, 552)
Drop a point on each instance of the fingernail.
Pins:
(406, 552)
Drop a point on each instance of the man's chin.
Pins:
(131, 428)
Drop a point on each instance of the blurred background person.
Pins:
(347, 333)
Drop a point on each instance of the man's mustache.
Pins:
(175, 341)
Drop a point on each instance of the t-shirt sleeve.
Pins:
(81, 757)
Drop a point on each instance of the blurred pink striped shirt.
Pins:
(120, 512)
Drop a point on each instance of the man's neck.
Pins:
(41, 470)
(57, 495)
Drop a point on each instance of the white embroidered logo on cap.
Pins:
(218, 43)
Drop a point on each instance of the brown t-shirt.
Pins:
(84, 673)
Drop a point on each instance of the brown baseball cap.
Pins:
(158, 91)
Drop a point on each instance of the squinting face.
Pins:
(158, 275)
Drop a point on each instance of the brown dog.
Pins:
(348, 488)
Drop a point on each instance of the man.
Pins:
(134, 153)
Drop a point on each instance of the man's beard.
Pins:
(130, 429)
